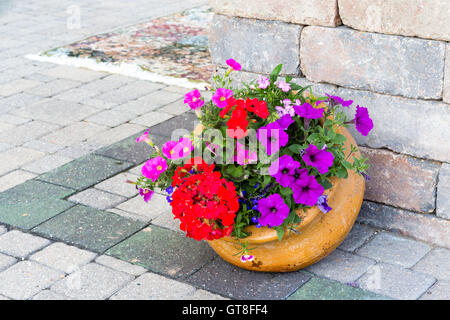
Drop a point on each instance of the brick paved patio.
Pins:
(71, 229)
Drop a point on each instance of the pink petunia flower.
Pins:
(221, 96)
(243, 156)
(263, 82)
(194, 99)
(233, 64)
(153, 168)
(143, 137)
(175, 150)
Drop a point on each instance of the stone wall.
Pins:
(391, 56)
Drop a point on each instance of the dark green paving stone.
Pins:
(89, 228)
(164, 251)
(230, 281)
(131, 151)
(324, 289)
(186, 121)
(27, 214)
(35, 190)
(85, 172)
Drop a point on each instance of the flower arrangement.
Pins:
(282, 146)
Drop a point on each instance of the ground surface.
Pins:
(71, 229)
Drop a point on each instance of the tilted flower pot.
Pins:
(317, 235)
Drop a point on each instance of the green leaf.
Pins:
(280, 232)
(341, 172)
(235, 171)
(295, 148)
(339, 138)
(326, 184)
(275, 72)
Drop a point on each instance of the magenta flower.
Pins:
(285, 87)
(221, 96)
(272, 137)
(175, 150)
(233, 64)
(285, 121)
(322, 204)
(299, 175)
(194, 99)
(263, 82)
(308, 111)
(336, 100)
(247, 257)
(273, 210)
(153, 168)
(287, 109)
(143, 137)
(146, 194)
(363, 123)
(244, 156)
(283, 170)
(168, 150)
(307, 190)
(321, 159)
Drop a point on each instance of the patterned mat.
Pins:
(175, 46)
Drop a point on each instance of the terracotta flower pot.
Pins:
(318, 233)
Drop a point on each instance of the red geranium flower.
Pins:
(257, 107)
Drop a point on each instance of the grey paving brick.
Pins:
(14, 178)
(6, 126)
(136, 107)
(12, 119)
(396, 282)
(52, 88)
(56, 111)
(19, 244)
(118, 185)
(167, 220)
(25, 279)
(152, 209)
(129, 92)
(205, 295)
(27, 132)
(92, 282)
(49, 295)
(62, 257)
(229, 281)
(76, 95)
(111, 118)
(116, 134)
(356, 238)
(97, 198)
(439, 291)
(186, 121)
(151, 286)
(436, 263)
(443, 190)
(176, 108)
(161, 98)
(6, 261)
(389, 248)
(120, 265)
(3, 229)
(17, 86)
(74, 133)
(99, 104)
(152, 118)
(17, 101)
(341, 266)
(46, 164)
(5, 146)
(76, 74)
(129, 215)
(43, 146)
(3, 298)
(79, 149)
(176, 89)
(102, 85)
(14, 158)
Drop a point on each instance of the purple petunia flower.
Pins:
(285, 121)
(322, 204)
(283, 170)
(363, 123)
(321, 159)
(146, 194)
(272, 137)
(336, 100)
(285, 87)
(273, 210)
(221, 96)
(194, 99)
(307, 111)
(153, 168)
(307, 190)
(263, 82)
(233, 64)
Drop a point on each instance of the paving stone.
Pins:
(176, 89)
(443, 190)
(151, 286)
(76, 74)
(14, 158)
(229, 38)
(176, 108)
(3, 298)
(129, 92)
(89, 228)
(439, 291)
(389, 248)
(425, 19)
(6, 261)
(97, 199)
(53, 88)
(167, 220)
(111, 118)
(152, 209)
(19, 244)
(412, 182)
(49, 295)
(79, 149)
(136, 107)
(324, 289)
(341, 266)
(163, 251)
(76, 95)
(396, 282)
(118, 185)
(17, 101)
(446, 97)
(102, 85)
(92, 282)
(129, 215)
(5, 146)
(152, 118)
(14, 178)
(17, 86)
(182, 123)
(120, 265)
(435, 263)
(43, 146)
(46, 164)
(85, 171)
(6, 126)
(116, 134)
(205, 295)
(25, 279)
(3, 229)
(384, 62)
(308, 12)
(230, 281)
(26, 132)
(12, 119)
(160, 98)
(99, 104)
(56, 111)
(419, 226)
(356, 238)
(62, 257)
